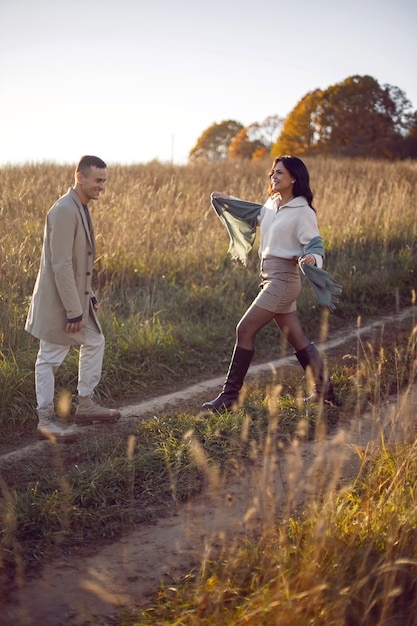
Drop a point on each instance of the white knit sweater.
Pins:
(287, 229)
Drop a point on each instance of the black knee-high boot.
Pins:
(323, 388)
(238, 368)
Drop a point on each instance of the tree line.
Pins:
(354, 118)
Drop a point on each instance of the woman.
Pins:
(288, 224)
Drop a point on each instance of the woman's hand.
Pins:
(308, 259)
(219, 194)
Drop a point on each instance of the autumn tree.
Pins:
(265, 133)
(300, 130)
(361, 118)
(356, 117)
(410, 144)
(268, 130)
(255, 141)
(242, 147)
(214, 143)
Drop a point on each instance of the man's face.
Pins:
(93, 183)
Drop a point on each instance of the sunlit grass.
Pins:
(345, 555)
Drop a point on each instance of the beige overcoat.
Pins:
(63, 287)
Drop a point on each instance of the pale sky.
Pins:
(137, 80)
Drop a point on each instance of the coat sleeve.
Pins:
(62, 225)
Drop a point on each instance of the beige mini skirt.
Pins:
(280, 286)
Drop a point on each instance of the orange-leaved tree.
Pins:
(255, 141)
(242, 147)
(300, 130)
(356, 117)
(214, 143)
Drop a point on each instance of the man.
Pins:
(63, 309)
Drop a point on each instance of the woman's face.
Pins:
(281, 179)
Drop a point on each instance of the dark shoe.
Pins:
(238, 368)
(224, 402)
(328, 397)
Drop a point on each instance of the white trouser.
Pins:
(50, 357)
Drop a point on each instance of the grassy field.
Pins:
(170, 296)
(170, 299)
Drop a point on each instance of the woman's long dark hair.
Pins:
(299, 172)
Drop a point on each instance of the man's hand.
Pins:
(73, 327)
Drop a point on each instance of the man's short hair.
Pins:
(88, 161)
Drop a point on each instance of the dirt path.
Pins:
(127, 573)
